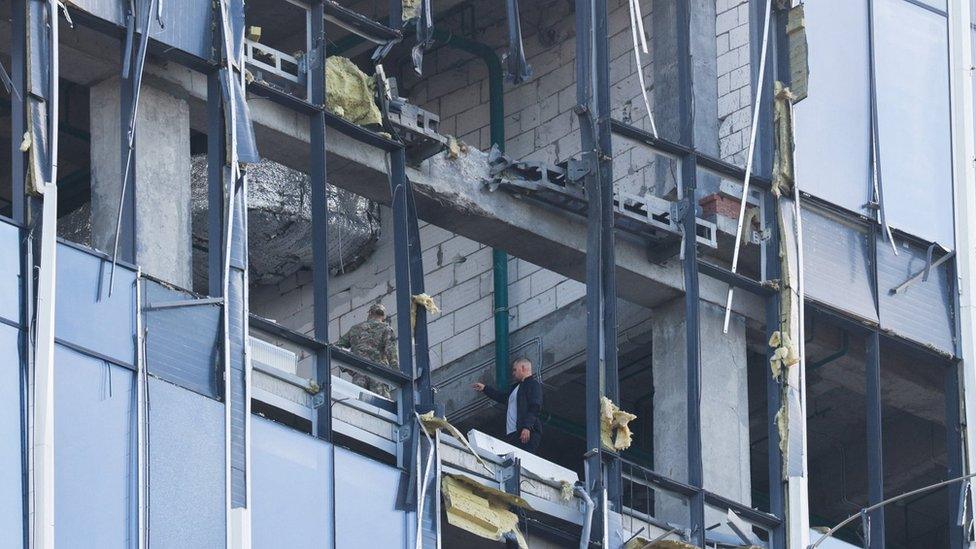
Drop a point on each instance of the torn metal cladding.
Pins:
(517, 68)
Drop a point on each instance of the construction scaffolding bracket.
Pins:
(646, 216)
(510, 476)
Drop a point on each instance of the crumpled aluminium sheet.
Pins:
(280, 223)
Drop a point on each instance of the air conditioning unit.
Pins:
(271, 356)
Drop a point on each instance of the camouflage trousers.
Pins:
(368, 383)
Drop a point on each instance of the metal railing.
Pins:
(652, 499)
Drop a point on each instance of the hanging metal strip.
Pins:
(43, 396)
(640, 45)
(518, 69)
(137, 88)
(425, 35)
(8, 83)
(141, 417)
(752, 149)
(876, 173)
(230, 174)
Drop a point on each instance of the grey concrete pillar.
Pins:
(666, 36)
(724, 406)
(162, 179)
(667, 32)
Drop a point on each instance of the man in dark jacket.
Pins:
(523, 429)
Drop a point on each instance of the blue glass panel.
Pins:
(913, 115)
(833, 125)
(368, 490)
(290, 489)
(11, 481)
(922, 311)
(186, 468)
(86, 315)
(94, 433)
(9, 272)
(182, 343)
(837, 263)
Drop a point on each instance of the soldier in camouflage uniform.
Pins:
(375, 341)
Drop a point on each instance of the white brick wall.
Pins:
(734, 79)
(458, 274)
(539, 123)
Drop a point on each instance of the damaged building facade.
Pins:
(735, 238)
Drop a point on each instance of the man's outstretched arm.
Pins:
(491, 392)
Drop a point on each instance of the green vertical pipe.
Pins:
(496, 110)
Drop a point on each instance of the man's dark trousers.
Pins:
(531, 446)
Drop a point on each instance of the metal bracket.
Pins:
(510, 476)
(741, 528)
(760, 236)
(577, 169)
(318, 400)
(924, 273)
(679, 209)
(402, 433)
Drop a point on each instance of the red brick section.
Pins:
(716, 204)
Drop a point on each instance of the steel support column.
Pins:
(608, 262)
(872, 385)
(420, 350)
(954, 455)
(215, 185)
(593, 111)
(18, 98)
(774, 388)
(396, 14)
(778, 70)
(689, 184)
(320, 211)
(22, 211)
(399, 194)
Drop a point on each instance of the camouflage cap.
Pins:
(377, 309)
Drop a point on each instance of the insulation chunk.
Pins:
(784, 353)
(644, 543)
(411, 9)
(432, 424)
(783, 170)
(349, 92)
(782, 425)
(421, 300)
(614, 430)
(480, 510)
